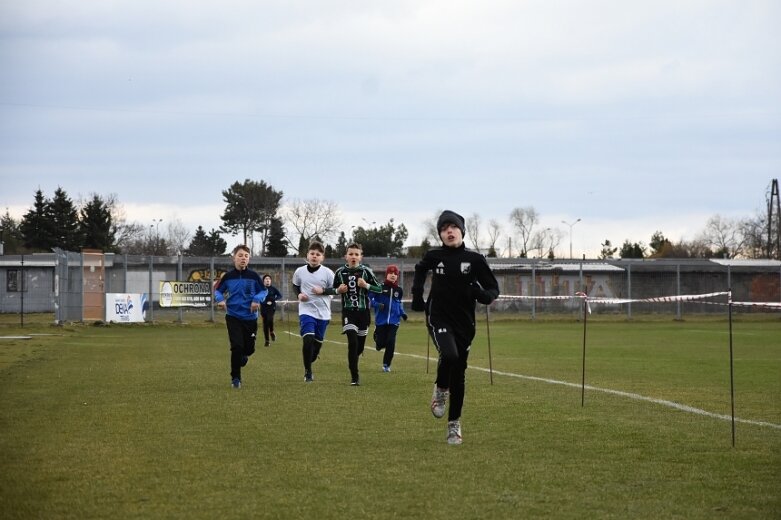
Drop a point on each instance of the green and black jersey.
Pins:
(356, 298)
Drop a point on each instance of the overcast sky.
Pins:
(634, 116)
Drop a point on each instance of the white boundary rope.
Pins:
(658, 299)
(619, 301)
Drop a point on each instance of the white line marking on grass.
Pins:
(629, 395)
(638, 397)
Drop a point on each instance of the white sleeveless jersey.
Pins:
(319, 305)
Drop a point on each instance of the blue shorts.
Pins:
(311, 325)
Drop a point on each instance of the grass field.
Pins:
(140, 422)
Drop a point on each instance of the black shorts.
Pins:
(385, 335)
(358, 321)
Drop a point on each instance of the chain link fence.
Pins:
(68, 284)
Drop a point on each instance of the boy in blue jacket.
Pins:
(240, 291)
(388, 313)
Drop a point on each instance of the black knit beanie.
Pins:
(451, 217)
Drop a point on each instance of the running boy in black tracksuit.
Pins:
(268, 309)
(460, 277)
(240, 292)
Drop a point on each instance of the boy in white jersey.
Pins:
(313, 284)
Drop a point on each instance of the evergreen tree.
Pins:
(419, 251)
(199, 245)
(607, 250)
(203, 244)
(277, 243)
(303, 245)
(630, 250)
(10, 234)
(217, 243)
(36, 228)
(341, 245)
(385, 240)
(660, 245)
(96, 225)
(250, 207)
(64, 221)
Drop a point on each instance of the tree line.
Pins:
(254, 210)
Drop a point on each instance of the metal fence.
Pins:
(64, 282)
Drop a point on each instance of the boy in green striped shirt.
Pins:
(354, 281)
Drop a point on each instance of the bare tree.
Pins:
(524, 220)
(696, 248)
(472, 225)
(537, 243)
(432, 233)
(724, 236)
(545, 241)
(494, 231)
(753, 231)
(312, 218)
(178, 236)
(125, 233)
(553, 238)
(129, 235)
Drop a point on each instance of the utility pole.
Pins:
(773, 204)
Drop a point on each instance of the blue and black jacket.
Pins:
(388, 309)
(238, 289)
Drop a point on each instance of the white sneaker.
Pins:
(438, 401)
(454, 432)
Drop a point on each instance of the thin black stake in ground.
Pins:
(583, 367)
(428, 344)
(286, 318)
(488, 333)
(731, 367)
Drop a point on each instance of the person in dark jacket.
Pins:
(268, 309)
(460, 277)
(388, 313)
(240, 291)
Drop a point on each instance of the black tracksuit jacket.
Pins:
(459, 278)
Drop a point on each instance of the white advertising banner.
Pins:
(126, 308)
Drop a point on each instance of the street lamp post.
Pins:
(156, 225)
(570, 224)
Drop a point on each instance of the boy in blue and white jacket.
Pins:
(388, 313)
(241, 292)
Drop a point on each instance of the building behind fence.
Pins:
(73, 285)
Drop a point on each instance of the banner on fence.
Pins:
(126, 308)
(185, 294)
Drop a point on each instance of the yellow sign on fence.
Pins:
(185, 294)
